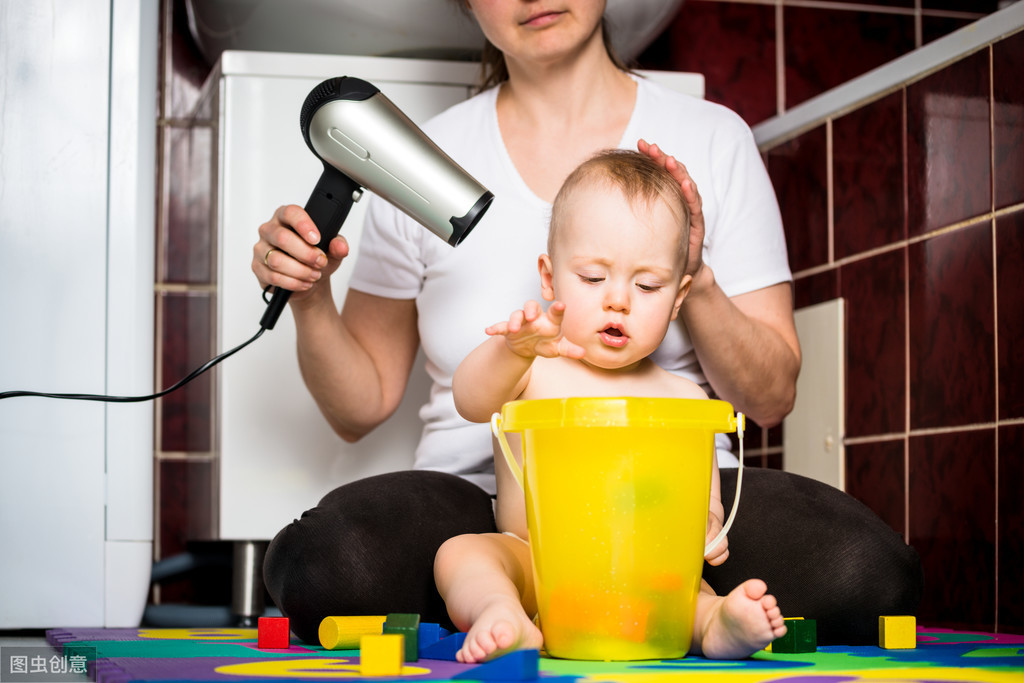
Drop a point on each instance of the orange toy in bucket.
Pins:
(617, 493)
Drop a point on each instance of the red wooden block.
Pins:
(272, 633)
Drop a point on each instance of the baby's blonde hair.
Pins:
(640, 179)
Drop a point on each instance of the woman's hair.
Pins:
(640, 179)
(494, 71)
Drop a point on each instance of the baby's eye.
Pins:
(648, 287)
(591, 279)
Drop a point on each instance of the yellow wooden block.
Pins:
(897, 633)
(381, 655)
(343, 633)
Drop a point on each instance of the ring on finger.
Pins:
(267, 257)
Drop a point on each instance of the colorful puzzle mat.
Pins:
(206, 654)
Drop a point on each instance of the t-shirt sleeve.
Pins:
(388, 260)
(747, 248)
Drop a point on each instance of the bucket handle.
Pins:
(517, 471)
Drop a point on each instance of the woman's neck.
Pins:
(572, 90)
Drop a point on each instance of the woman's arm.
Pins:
(747, 345)
(356, 365)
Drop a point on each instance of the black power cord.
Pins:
(138, 399)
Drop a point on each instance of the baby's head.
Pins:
(616, 257)
(635, 177)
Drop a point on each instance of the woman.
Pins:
(560, 95)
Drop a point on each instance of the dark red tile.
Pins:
(186, 414)
(881, 3)
(976, 6)
(187, 69)
(948, 161)
(952, 318)
(814, 289)
(773, 461)
(952, 527)
(1011, 522)
(1008, 117)
(184, 521)
(828, 47)
(876, 476)
(875, 344)
(188, 232)
(732, 44)
(774, 436)
(1010, 295)
(933, 27)
(867, 172)
(798, 172)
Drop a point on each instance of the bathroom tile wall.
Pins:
(760, 57)
(922, 233)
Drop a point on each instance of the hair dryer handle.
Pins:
(328, 206)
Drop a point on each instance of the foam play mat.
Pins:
(206, 654)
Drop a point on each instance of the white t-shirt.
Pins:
(460, 291)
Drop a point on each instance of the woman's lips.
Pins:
(541, 18)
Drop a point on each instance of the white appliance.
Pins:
(77, 130)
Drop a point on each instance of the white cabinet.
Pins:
(277, 455)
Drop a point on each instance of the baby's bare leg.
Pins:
(736, 625)
(487, 586)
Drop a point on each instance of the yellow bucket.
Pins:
(617, 493)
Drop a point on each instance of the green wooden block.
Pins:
(408, 625)
(801, 636)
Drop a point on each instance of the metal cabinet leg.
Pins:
(247, 581)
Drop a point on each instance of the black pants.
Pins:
(368, 548)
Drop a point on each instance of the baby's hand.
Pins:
(531, 332)
(720, 552)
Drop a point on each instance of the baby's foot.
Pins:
(742, 622)
(500, 628)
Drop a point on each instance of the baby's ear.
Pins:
(547, 288)
(684, 287)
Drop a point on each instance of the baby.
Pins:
(613, 273)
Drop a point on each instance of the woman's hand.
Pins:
(678, 171)
(286, 254)
(532, 332)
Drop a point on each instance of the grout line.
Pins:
(866, 6)
(877, 251)
(931, 431)
(183, 288)
(190, 456)
(906, 343)
(780, 62)
(995, 310)
(830, 197)
(918, 25)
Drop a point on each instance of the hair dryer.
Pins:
(365, 141)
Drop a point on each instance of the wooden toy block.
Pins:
(518, 665)
(343, 633)
(272, 633)
(445, 648)
(897, 632)
(801, 636)
(409, 626)
(428, 634)
(381, 655)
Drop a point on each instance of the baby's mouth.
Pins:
(613, 336)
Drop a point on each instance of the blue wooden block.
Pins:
(518, 665)
(445, 648)
(429, 634)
